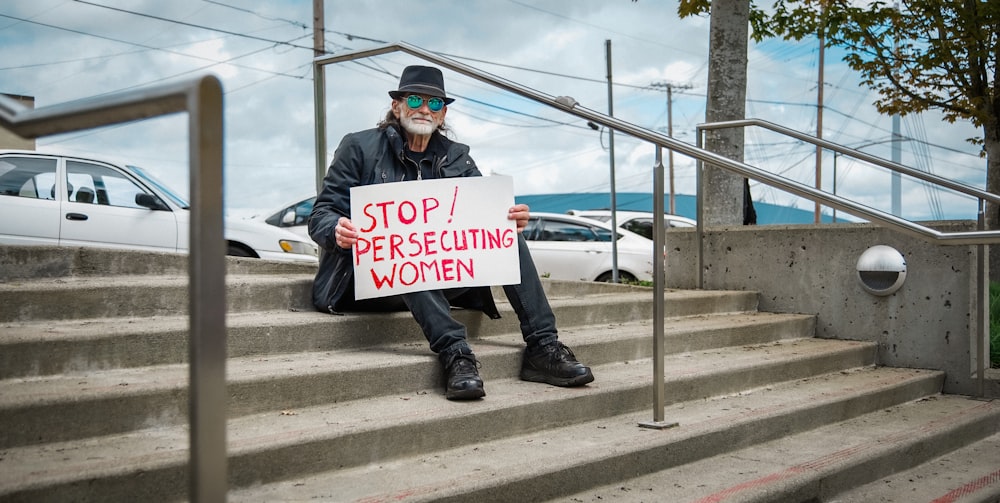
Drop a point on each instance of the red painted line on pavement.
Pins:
(833, 457)
(970, 488)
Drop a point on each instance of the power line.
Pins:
(298, 24)
(137, 44)
(192, 25)
(350, 36)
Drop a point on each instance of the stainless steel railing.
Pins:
(569, 105)
(201, 98)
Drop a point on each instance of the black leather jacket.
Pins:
(365, 158)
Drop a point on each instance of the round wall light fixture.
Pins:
(881, 270)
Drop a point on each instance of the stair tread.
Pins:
(265, 430)
(115, 281)
(797, 466)
(131, 381)
(484, 466)
(968, 474)
(49, 330)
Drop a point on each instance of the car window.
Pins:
(640, 226)
(303, 210)
(679, 223)
(300, 212)
(558, 230)
(28, 177)
(109, 187)
(530, 231)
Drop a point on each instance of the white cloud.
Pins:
(60, 51)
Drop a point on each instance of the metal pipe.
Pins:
(857, 154)
(611, 160)
(983, 301)
(319, 113)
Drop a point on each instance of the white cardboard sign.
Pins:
(433, 234)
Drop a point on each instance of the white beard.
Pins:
(418, 129)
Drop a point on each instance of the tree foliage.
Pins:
(925, 54)
(916, 54)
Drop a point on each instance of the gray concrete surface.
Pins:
(929, 323)
(345, 408)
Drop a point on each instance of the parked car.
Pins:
(575, 248)
(293, 217)
(50, 199)
(639, 222)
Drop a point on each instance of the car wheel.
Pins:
(235, 250)
(623, 277)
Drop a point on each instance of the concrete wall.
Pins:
(929, 323)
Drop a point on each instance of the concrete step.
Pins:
(36, 262)
(559, 460)
(829, 463)
(970, 474)
(36, 347)
(94, 384)
(75, 405)
(386, 444)
(86, 297)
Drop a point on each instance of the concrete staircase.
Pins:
(93, 399)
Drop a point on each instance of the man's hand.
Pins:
(344, 233)
(519, 214)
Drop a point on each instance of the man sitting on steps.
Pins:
(410, 144)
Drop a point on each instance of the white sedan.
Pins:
(568, 247)
(50, 199)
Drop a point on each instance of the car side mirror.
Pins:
(150, 201)
(288, 218)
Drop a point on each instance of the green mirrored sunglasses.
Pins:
(433, 104)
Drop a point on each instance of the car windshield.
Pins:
(163, 189)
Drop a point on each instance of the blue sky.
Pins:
(62, 50)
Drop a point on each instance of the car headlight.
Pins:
(299, 247)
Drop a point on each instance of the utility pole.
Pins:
(819, 126)
(896, 181)
(611, 142)
(319, 42)
(670, 132)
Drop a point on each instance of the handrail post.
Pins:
(209, 477)
(659, 384)
(983, 301)
(699, 214)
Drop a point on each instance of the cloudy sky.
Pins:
(62, 50)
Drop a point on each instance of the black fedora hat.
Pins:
(421, 80)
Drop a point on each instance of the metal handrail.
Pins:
(572, 107)
(202, 99)
(857, 154)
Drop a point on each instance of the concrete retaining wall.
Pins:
(929, 323)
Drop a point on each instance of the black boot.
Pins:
(554, 364)
(462, 380)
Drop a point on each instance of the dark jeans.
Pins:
(432, 309)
